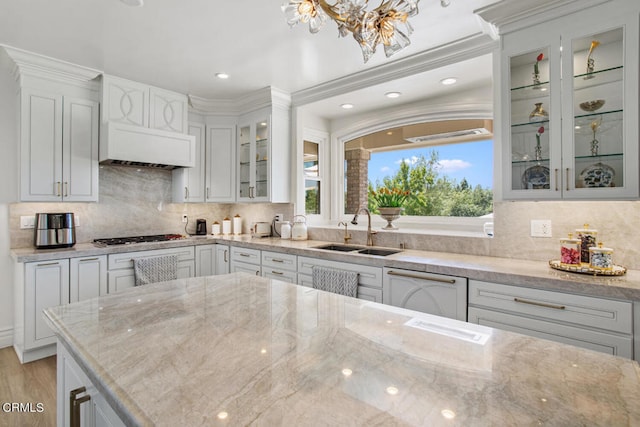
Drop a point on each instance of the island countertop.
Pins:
(239, 349)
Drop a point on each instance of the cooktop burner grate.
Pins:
(137, 239)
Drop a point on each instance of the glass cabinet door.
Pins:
(530, 104)
(244, 162)
(596, 159)
(262, 160)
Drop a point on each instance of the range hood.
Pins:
(129, 145)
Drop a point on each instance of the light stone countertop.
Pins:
(508, 271)
(265, 352)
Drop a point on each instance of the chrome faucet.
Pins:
(369, 232)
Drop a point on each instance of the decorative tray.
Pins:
(617, 270)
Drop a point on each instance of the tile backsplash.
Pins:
(138, 202)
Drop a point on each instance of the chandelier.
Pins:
(387, 24)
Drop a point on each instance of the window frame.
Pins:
(352, 129)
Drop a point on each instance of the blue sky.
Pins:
(470, 160)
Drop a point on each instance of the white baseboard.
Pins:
(6, 337)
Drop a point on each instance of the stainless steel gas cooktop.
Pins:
(137, 239)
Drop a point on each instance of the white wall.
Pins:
(8, 191)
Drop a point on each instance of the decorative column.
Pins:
(357, 178)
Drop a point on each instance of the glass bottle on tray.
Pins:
(588, 239)
(570, 251)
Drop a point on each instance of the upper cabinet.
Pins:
(59, 129)
(569, 105)
(137, 104)
(263, 161)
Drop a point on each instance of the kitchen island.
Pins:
(239, 349)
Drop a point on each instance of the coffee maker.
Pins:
(54, 230)
(201, 227)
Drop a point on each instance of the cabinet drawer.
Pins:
(592, 340)
(125, 260)
(280, 261)
(251, 256)
(246, 267)
(368, 276)
(580, 310)
(279, 274)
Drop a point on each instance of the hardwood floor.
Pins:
(32, 383)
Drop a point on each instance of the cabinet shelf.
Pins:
(533, 125)
(601, 156)
(597, 78)
(532, 91)
(585, 119)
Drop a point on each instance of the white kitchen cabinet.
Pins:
(430, 293)
(245, 259)
(222, 259)
(276, 265)
(586, 146)
(59, 147)
(128, 102)
(38, 285)
(87, 278)
(369, 278)
(220, 163)
(76, 392)
(263, 156)
(120, 273)
(205, 260)
(189, 183)
(594, 323)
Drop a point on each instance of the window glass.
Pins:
(312, 178)
(424, 178)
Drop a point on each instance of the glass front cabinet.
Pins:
(570, 106)
(254, 168)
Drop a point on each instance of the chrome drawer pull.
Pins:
(279, 273)
(277, 260)
(88, 259)
(46, 264)
(243, 254)
(74, 405)
(415, 276)
(540, 304)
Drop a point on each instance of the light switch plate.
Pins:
(540, 228)
(27, 222)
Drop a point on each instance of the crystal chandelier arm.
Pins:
(329, 10)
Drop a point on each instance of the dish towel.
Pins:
(336, 281)
(155, 269)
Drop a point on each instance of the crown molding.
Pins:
(28, 64)
(262, 98)
(512, 15)
(466, 48)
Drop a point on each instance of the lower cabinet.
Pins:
(223, 259)
(594, 323)
(430, 293)
(205, 260)
(87, 278)
(369, 278)
(78, 401)
(280, 266)
(246, 260)
(120, 266)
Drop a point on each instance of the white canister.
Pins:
(237, 225)
(215, 228)
(226, 226)
(285, 230)
(299, 228)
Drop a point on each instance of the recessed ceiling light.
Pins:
(389, 133)
(222, 76)
(392, 94)
(347, 106)
(135, 3)
(448, 81)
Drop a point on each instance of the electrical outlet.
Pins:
(184, 218)
(27, 222)
(76, 220)
(279, 217)
(540, 228)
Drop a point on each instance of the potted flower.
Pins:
(389, 202)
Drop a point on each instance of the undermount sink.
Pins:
(359, 249)
(379, 252)
(340, 248)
